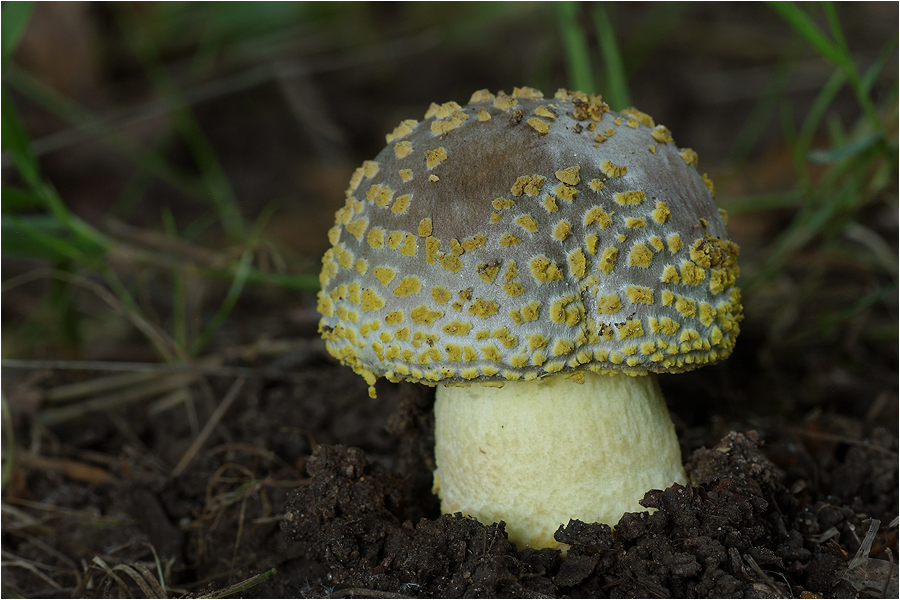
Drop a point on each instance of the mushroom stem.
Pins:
(536, 454)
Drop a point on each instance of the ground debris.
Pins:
(735, 533)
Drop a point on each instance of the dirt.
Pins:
(342, 507)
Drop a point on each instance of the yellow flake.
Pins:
(656, 242)
(509, 239)
(395, 238)
(562, 230)
(432, 245)
(408, 285)
(527, 222)
(632, 197)
(661, 213)
(424, 315)
(502, 203)
(597, 184)
(443, 125)
(440, 294)
(577, 263)
(670, 275)
(536, 341)
(544, 270)
(674, 242)
(707, 313)
(593, 109)
(691, 274)
(608, 304)
(401, 204)
(565, 192)
(685, 306)
(481, 96)
(527, 93)
(639, 294)
(357, 227)
(450, 262)
(709, 185)
(433, 178)
(479, 240)
(394, 317)
(409, 245)
(457, 328)
(504, 102)
(384, 274)
(608, 260)
(401, 149)
(496, 217)
(361, 265)
(484, 115)
(689, 156)
(425, 227)
(549, 204)
(370, 168)
(635, 223)
(591, 242)
(667, 297)
(531, 311)
(528, 185)
(491, 353)
(631, 328)
(405, 174)
(400, 131)
(488, 271)
(483, 308)
(543, 111)
(613, 170)
(640, 256)
(371, 301)
(435, 157)
(513, 288)
(542, 127)
(355, 180)
(661, 134)
(469, 373)
(562, 347)
(633, 123)
(643, 117)
(569, 175)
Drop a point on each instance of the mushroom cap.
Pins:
(522, 236)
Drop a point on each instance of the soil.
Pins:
(780, 515)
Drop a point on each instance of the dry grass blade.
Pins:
(241, 586)
(208, 428)
(56, 416)
(10, 560)
(141, 575)
(70, 468)
(99, 385)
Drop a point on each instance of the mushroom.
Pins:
(539, 260)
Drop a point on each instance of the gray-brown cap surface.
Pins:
(521, 236)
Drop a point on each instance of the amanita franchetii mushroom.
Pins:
(538, 260)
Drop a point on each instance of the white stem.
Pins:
(538, 453)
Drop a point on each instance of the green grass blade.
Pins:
(578, 60)
(803, 25)
(14, 139)
(615, 89)
(15, 17)
(234, 292)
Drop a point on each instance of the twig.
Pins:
(217, 415)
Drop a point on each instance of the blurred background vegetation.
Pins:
(170, 169)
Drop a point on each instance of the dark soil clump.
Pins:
(736, 532)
